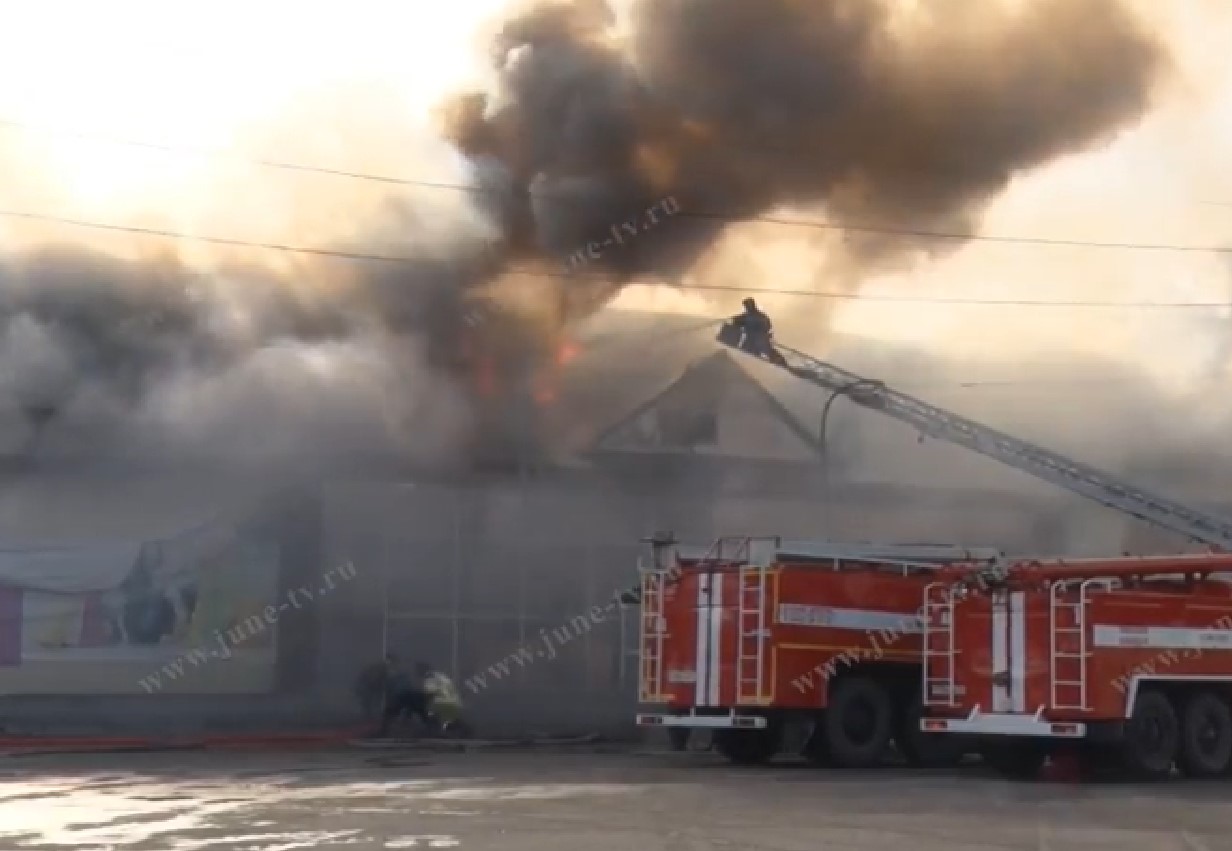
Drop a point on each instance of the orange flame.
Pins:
(567, 352)
(485, 378)
(547, 382)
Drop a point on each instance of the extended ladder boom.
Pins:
(1049, 466)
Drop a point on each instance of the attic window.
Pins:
(682, 427)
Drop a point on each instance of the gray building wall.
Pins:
(463, 574)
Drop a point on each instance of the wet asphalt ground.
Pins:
(581, 801)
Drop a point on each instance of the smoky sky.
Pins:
(737, 107)
(731, 108)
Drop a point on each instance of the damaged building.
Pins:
(122, 585)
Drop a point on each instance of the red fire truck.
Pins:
(749, 641)
(756, 638)
(1125, 662)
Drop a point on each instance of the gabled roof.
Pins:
(697, 412)
(625, 358)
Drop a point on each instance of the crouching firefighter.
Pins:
(755, 333)
(404, 695)
(444, 702)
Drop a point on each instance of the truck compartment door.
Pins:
(709, 618)
(1009, 649)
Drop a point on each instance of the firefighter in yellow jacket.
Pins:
(445, 704)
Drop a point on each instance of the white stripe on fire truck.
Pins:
(716, 638)
(1000, 656)
(1018, 651)
(794, 614)
(1161, 637)
(703, 639)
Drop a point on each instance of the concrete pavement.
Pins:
(519, 801)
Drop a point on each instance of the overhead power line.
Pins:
(218, 153)
(540, 272)
(920, 233)
(988, 302)
(209, 240)
(712, 215)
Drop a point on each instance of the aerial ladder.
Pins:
(940, 424)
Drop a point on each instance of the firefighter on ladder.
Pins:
(757, 331)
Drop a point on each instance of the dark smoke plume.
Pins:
(730, 108)
(737, 107)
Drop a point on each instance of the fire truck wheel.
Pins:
(1015, 760)
(678, 738)
(1206, 736)
(816, 750)
(1152, 736)
(859, 722)
(749, 747)
(926, 750)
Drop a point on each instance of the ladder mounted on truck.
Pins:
(939, 650)
(1068, 650)
(1044, 464)
(652, 632)
(754, 622)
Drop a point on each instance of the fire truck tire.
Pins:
(1152, 737)
(749, 747)
(859, 722)
(1015, 760)
(1206, 736)
(678, 738)
(816, 750)
(926, 750)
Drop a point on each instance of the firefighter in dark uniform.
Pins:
(404, 695)
(756, 331)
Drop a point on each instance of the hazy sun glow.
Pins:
(195, 75)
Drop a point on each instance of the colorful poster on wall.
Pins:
(157, 613)
(230, 591)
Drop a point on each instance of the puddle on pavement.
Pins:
(196, 814)
(426, 841)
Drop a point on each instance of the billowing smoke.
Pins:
(628, 138)
(118, 342)
(888, 114)
(122, 352)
